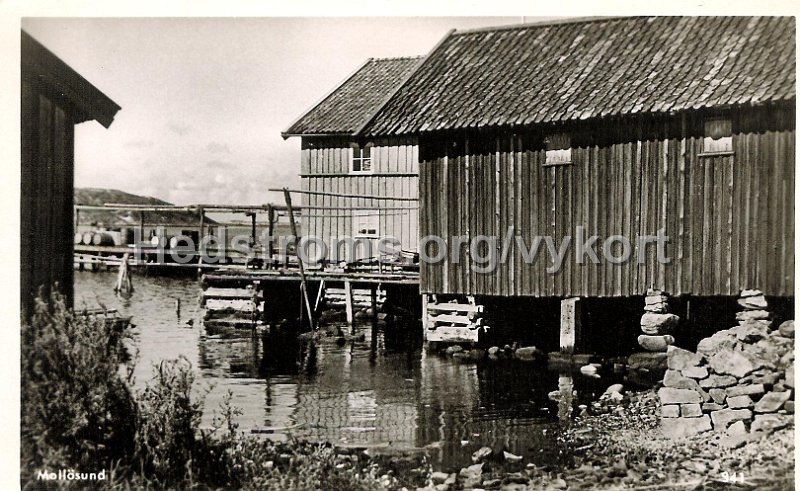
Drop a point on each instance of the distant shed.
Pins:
(54, 99)
(622, 125)
(337, 163)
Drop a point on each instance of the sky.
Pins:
(204, 99)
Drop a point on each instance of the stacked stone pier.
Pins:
(739, 382)
(657, 324)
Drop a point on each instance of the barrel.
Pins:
(78, 238)
(87, 238)
(103, 239)
(180, 241)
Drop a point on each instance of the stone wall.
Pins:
(740, 381)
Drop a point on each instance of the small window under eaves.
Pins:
(360, 158)
(557, 149)
(718, 136)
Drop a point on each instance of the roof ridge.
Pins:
(398, 58)
(552, 22)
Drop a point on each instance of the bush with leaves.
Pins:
(77, 408)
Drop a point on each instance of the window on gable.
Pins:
(557, 149)
(365, 224)
(361, 158)
(717, 135)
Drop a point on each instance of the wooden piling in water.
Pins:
(348, 294)
(570, 325)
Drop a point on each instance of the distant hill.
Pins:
(125, 218)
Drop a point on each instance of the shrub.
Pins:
(77, 409)
(167, 423)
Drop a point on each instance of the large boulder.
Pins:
(683, 427)
(655, 343)
(673, 378)
(731, 363)
(655, 324)
(740, 402)
(750, 331)
(715, 381)
(724, 417)
(745, 390)
(772, 401)
(672, 395)
(755, 302)
(752, 315)
(529, 353)
(787, 329)
(681, 359)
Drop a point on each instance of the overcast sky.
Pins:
(204, 100)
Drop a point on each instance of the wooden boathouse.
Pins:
(624, 126)
(54, 99)
(349, 182)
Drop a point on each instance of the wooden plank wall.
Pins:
(47, 166)
(730, 218)
(395, 172)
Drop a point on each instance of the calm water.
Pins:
(385, 391)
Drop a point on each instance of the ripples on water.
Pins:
(385, 391)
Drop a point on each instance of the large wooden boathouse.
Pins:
(54, 99)
(624, 126)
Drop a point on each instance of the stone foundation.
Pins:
(740, 379)
(657, 323)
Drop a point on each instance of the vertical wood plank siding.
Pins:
(46, 195)
(325, 164)
(729, 217)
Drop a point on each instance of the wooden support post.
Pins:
(271, 230)
(320, 296)
(373, 297)
(288, 198)
(348, 300)
(202, 232)
(570, 325)
(141, 226)
(252, 216)
(424, 316)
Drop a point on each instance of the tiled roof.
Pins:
(591, 68)
(355, 101)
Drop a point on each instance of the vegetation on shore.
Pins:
(80, 411)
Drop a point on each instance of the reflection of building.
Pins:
(352, 401)
(345, 171)
(54, 99)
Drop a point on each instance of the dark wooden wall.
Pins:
(730, 218)
(46, 193)
(395, 172)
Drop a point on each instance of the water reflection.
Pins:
(380, 389)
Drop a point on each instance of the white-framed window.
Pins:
(360, 158)
(557, 149)
(366, 224)
(717, 135)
